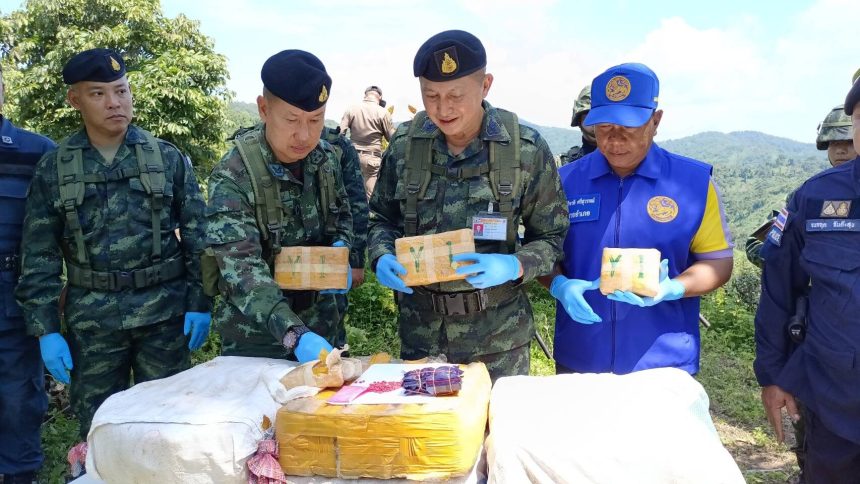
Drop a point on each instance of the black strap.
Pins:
(120, 280)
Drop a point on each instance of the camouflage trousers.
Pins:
(499, 336)
(239, 337)
(107, 361)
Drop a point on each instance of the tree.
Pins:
(177, 79)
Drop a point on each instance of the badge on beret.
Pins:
(323, 94)
(114, 64)
(662, 209)
(618, 88)
(447, 60)
(835, 208)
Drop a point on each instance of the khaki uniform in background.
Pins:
(368, 124)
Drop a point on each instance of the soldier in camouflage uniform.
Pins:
(589, 143)
(486, 317)
(835, 136)
(353, 183)
(108, 202)
(255, 317)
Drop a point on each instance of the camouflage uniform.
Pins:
(113, 331)
(255, 314)
(499, 336)
(354, 185)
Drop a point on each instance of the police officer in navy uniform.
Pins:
(814, 246)
(23, 401)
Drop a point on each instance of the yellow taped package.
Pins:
(313, 268)
(435, 441)
(427, 258)
(635, 270)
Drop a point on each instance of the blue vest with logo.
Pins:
(19, 152)
(660, 206)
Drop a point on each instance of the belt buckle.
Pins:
(454, 304)
(124, 280)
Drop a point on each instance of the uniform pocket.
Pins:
(427, 210)
(834, 269)
(140, 205)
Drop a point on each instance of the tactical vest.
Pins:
(503, 171)
(267, 193)
(150, 170)
(268, 210)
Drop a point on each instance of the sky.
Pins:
(765, 65)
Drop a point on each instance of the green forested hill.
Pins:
(753, 170)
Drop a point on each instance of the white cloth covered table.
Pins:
(651, 426)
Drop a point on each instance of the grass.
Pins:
(726, 374)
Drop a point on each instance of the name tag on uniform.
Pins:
(584, 207)
(489, 226)
(833, 225)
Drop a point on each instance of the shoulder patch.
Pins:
(779, 224)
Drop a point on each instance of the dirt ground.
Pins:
(759, 458)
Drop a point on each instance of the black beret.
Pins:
(852, 98)
(449, 55)
(96, 65)
(298, 78)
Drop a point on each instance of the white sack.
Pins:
(198, 426)
(651, 426)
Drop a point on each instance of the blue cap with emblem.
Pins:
(853, 97)
(625, 95)
(449, 55)
(297, 77)
(95, 65)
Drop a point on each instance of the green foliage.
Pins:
(240, 115)
(176, 77)
(59, 434)
(371, 323)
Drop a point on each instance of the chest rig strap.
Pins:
(503, 170)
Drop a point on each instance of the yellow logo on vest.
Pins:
(662, 209)
(448, 64)
(836, 208)
(114, 64)
(618, 88)
(323, 94)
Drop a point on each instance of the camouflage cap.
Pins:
(581, 106)
(855, 76)
(835, 127)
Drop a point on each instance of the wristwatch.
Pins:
(291, 339)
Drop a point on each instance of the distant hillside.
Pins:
(559, 139)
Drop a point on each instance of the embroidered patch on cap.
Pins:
(835, 208)
(114, 64)
(323, 94)
(447, 60)
(618, 88)
(662, 209)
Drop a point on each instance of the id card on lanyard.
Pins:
(490, 225)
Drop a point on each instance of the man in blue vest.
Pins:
(23, 401)
(814, 247)
(631, 193)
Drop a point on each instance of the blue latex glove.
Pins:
(489, 269)
(198, 325)
(570, 293)
(388, 272)
(340, 243)
(670, 290)
(309, 347)
(55, 354)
